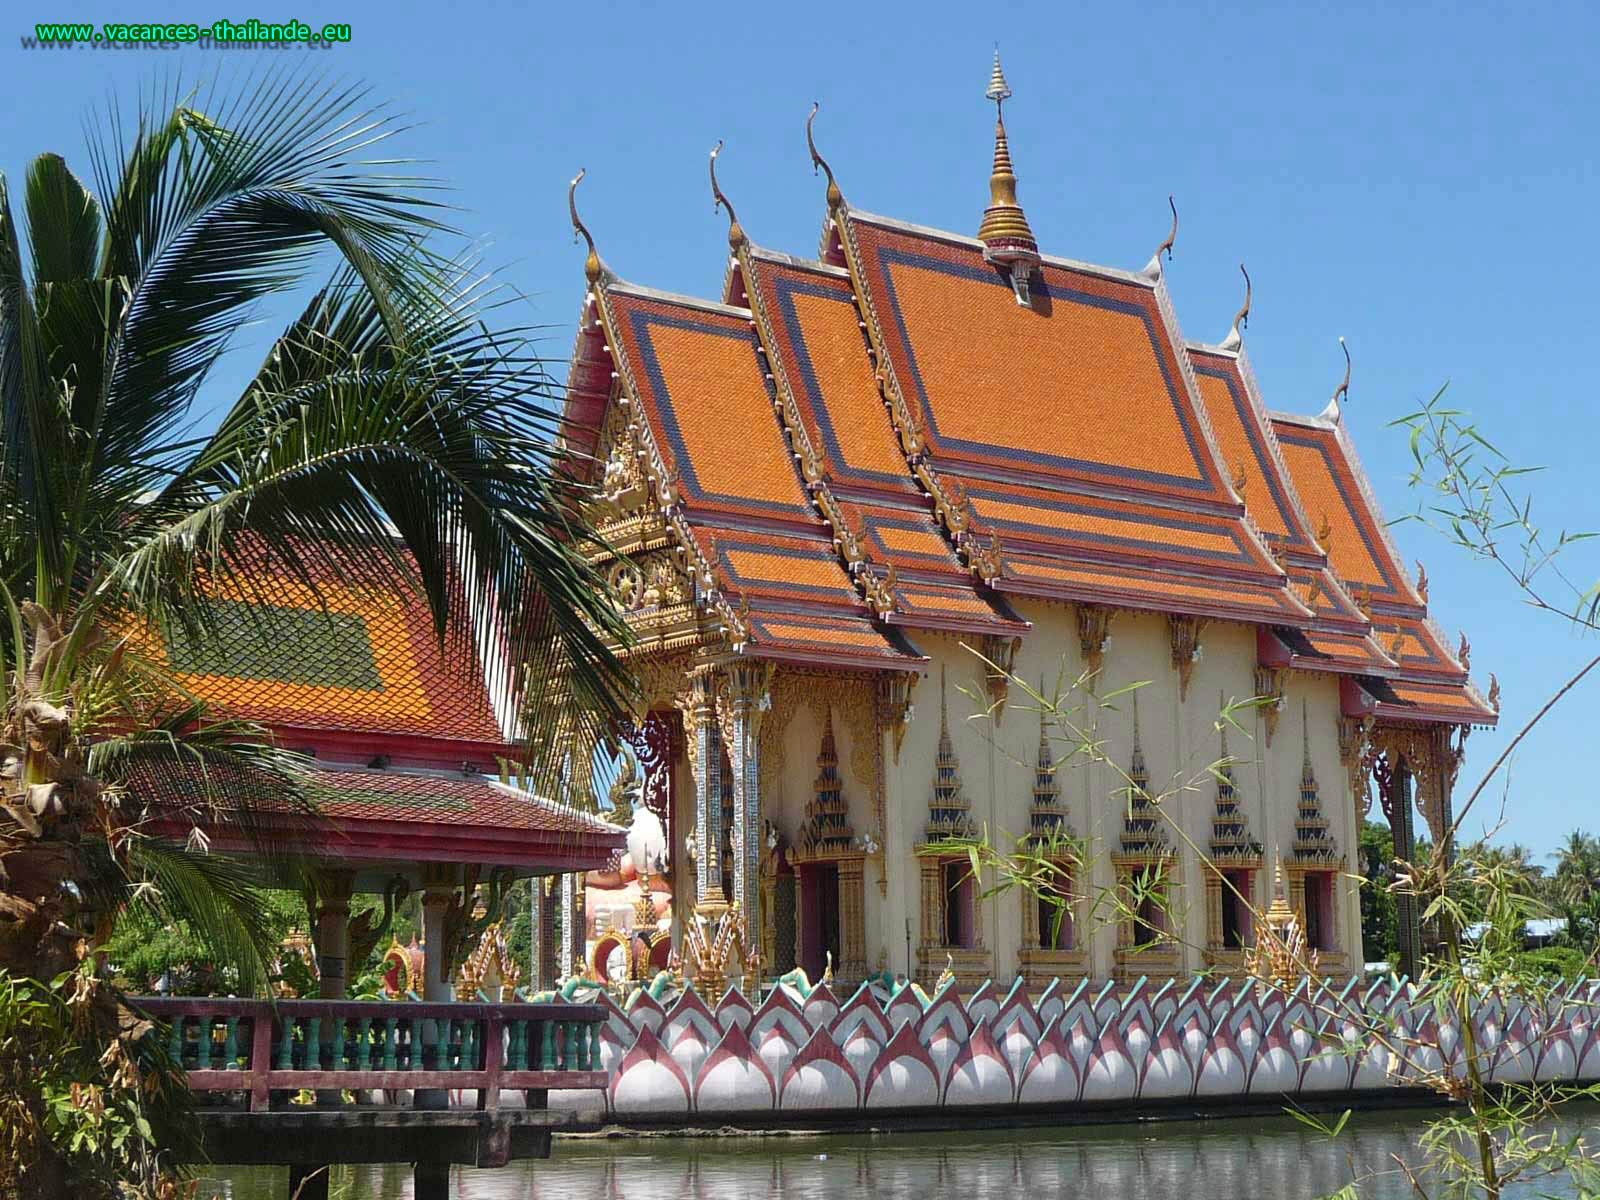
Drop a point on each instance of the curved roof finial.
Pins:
(1152, 269)
(736, 237)
(1172, 235)
(835, 196)
(1341, 394)
(592, 266)
(1241, 319)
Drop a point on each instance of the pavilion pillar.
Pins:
(438, 893)
(334, 889)
(750, 699)
(574, 931)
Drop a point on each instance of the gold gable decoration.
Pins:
(949, 811)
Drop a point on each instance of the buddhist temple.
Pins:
(852, 498)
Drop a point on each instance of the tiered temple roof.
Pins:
(917, 425)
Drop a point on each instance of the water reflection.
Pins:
(1219, 1160)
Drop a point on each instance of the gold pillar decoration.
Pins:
(1280, 955)
(1269, 685)
(999, 654)
(826, 836)
(1094, 631)
(894, 690)
(1353, 733)
(1184, 634)
(852, 920)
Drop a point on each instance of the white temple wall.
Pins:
(997, 761)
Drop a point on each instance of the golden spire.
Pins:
(736, 237)
(1007, 238)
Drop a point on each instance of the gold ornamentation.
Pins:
(736, 235)
(593, 268)
(1184, 633)
(818, 163)
(1094, 628)
(999, 653)
(1280, 955)
(1269, 684)
(1494, 691)
(1324, 534)
(1422, 581)
(1464, 652)
(894, 690)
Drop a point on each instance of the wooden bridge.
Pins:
(250, 1061)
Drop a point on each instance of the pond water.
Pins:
(1237, 1159)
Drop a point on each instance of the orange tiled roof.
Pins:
(349, 659)
(1070, 425)
(707, 399)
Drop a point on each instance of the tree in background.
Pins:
(389, 438)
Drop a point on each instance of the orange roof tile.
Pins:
(352, 659)
(1085, 385)
(1330, 482)
(1145, 588)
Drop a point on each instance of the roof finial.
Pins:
(1152, 269)
(1007, 238)
(1342, 392)
(835, 196)
(592, 266)
(1241, 319)
(736, 237)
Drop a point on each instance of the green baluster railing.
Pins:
(230, 1044)
(175, 1040)
(420, 1040)
(391, 1061)
(363, 1043)
(202, 1044)
(285, 1060)
(338, 1043)
(517, 1045)
(469, 1045)
(594, 1046)
(313, 1054)
(547, 1051)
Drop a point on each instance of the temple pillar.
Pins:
(852, 920)
(750, 698)
(1402, 826)
(334, 889)
(438, 893)
(574, 925)
(707, 801)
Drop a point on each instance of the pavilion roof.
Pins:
(335, 659)
(366, 817)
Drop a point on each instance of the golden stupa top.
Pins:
(1005, 233)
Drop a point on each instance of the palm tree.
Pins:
(388, 434)
(1577, 874)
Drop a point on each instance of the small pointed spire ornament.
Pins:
(1422, 581)
(1152, 269)
(1007, 238)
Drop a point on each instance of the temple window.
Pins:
(1313, 867)
(1049, 923)
(829, 923)
(1235, 860)
(1146, 865)
(952, 912)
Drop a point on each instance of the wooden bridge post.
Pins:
(430, 1181)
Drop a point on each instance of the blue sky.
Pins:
(1417, 179)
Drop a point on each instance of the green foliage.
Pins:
(89, 1106)
(1555, 962)
(1380, 919)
